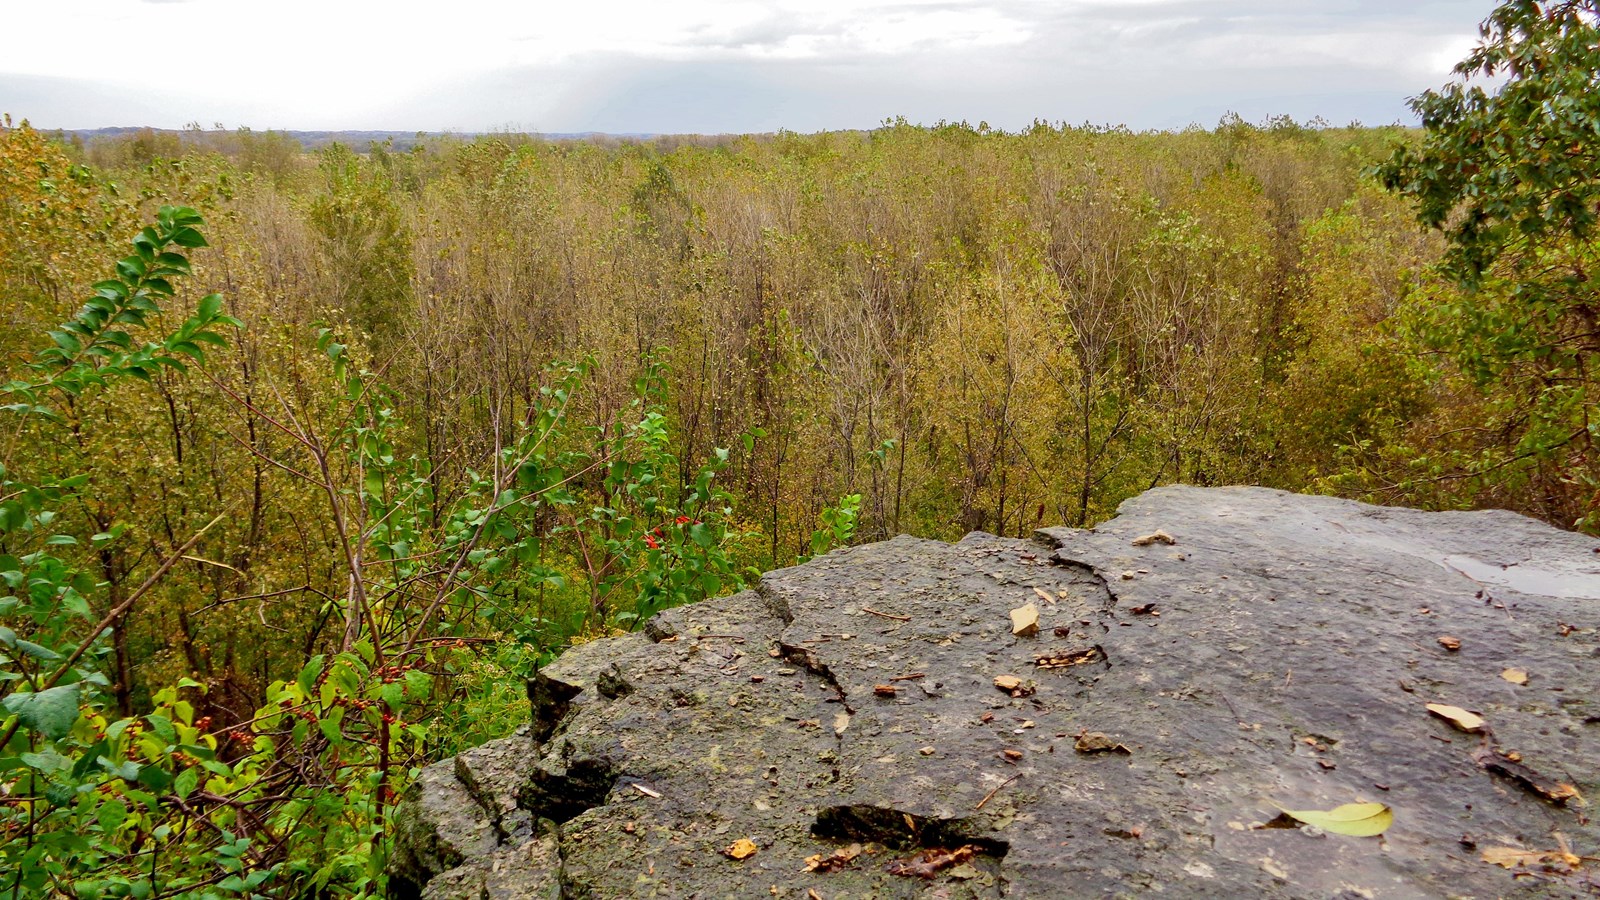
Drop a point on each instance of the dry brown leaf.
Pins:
(1012, 754)
(1025, 620)
(1469, 722)
(1070, 658)
(743, 848)
(885, 690)
(1096, 742)
(1155, 537)
(1510, 765)
(1515, 858)
(1450, 643)
(1515, 676)
(929, 863)
(1014, 686)
(834, 861)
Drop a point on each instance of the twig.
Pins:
(869, 610)
(990, 796)
(912, 677)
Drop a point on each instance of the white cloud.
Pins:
(475, 64)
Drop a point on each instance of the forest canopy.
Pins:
(310, 456)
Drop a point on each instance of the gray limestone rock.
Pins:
(1265, 651)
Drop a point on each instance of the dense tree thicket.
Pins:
(351, 440)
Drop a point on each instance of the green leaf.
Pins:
(29, 648)
(162, 726)
(111, 815)
(307, 679)
(188, 237)
(47, 761)
(155, 778)
(186, 782)
(1352, 819)
(49, 712)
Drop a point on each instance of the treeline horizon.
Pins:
(226, 140)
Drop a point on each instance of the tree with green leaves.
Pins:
(1508, 169)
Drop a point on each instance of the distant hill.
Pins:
(312, 140)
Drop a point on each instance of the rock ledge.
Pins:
(1279, 650)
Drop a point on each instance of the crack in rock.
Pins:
(901, 830)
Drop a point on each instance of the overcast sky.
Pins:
(720, 65)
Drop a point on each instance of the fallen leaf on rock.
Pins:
(648, 792)
(1096, 742)
(1450, 643)
(1069, 658)
(1012, 754)
(1044, 595)
(929, 863)
(1515, 858)
(1145, 609)
(841, 721)
(1352, 819)
(885, 690)
(1511, 766)
(1466, 721)
(1155, 537)
(1025, 620)
(1515, 676)
(834, 861)
(1014, 686)
(811, 894)
(743, 848)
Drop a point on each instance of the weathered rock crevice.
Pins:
(897, 829)
(872, 712)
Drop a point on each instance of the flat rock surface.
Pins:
(1204, 660)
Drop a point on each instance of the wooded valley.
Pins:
(350, 441)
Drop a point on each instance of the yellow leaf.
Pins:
(1514, 858)
(1353, 819)
(1455, 715)
(743, 848)
(1515, 676)
(1025, 620)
